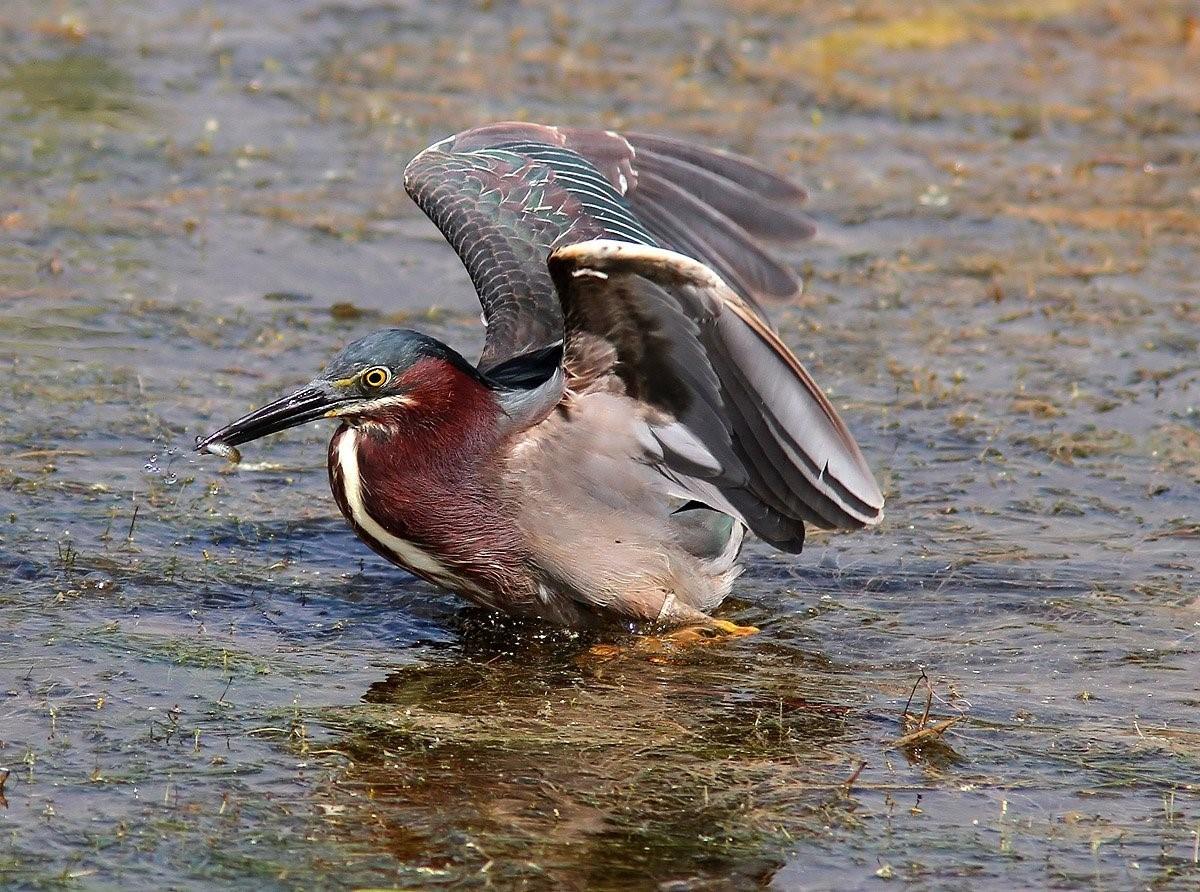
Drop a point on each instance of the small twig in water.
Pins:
(928, 701)
(922, 734)
(923, 730)
(911, 694)
(849, 782)
(132, 523)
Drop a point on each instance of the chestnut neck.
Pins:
(430, 475)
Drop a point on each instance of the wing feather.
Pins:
(735, 168)
(759, 212)
(505, 195)
(783, 454)
(709, 233)
(643, 253)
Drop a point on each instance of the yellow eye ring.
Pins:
(376, 377)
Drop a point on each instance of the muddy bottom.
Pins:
(208, 681)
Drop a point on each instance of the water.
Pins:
(208, 680)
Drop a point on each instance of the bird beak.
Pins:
(313, 402)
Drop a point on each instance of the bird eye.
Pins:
(376, 377)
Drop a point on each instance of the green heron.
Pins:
(633, 412)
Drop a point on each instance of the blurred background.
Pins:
(210, 681)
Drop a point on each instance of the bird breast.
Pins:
(442, 521)
(348, 489)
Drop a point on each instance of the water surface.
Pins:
(208, 680)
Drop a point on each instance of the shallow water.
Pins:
(208, 680)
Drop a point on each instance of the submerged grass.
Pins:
(80, 85)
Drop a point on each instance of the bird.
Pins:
(633, 414)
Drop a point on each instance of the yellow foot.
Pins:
(733, 630)
(708, 632)
(605, 651)
(656, 647)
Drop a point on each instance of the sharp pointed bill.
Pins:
(362, 381)
(309, 404)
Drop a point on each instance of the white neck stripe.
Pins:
(402, 550)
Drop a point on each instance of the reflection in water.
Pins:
(540, 757)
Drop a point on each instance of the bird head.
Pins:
(381, 379)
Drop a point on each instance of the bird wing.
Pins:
(506, 195)
(739, 423)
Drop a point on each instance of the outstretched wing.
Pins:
(741, 425)
(506, 195)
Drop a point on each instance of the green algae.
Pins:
(76, 86)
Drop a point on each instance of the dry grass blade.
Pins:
(923, 730)
(923, 734)
(848, 783)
